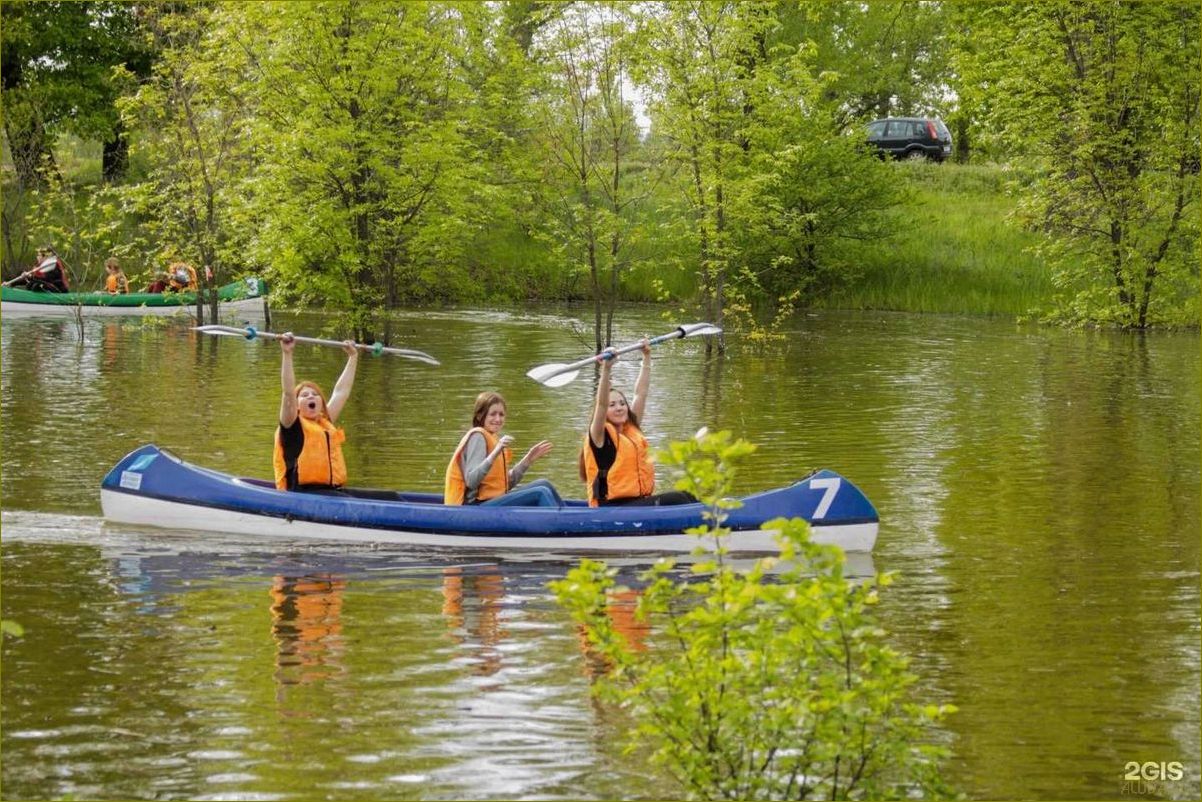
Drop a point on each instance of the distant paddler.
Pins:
(48, 275)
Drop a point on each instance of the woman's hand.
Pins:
(287, 342)
(646, 345)
(537, 452)
(350, 348)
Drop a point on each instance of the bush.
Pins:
(773, 682)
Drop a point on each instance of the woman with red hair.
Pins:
(308, 446)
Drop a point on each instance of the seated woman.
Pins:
(479, 471)
(159, 284)
(115, 282)
(181, 277)
(615, 461)
(308, 446)
(48, 275)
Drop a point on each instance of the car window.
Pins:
(896, 128)
(918, 129)
(876, 130)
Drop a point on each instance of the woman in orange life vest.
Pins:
(480, 470)
(615, 461)
(308, 446)
(181, 276)
(115, 283)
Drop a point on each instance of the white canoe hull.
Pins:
(133, 509)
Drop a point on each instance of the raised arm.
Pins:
(342, 390)
(287, 381)
(596, 429)
(643, 384)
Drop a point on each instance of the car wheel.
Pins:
(917, 155)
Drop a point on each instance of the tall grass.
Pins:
(954, 250)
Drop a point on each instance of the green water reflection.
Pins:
(1039, 494)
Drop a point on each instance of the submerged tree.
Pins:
(365, 160)
(195, 116)
(588, 138)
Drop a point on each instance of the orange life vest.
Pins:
(495, 482)
(631, 476)
(182, 276)
(116, 283)
(320, 461)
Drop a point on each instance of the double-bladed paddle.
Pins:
(375, 349)
(555, 374)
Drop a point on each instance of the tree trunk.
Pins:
(31, 154)
(962, 143)
(596, 278)
(115, 160)
(720, 278)
(211, 278)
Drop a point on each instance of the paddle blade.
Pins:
(407, 354)
(700, 329)
(553, 374)
(223, 331)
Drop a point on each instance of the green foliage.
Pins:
(80, 224)
(12, 628)
(57, 61)
(773, 682)
(1111, 130)
(369, 155)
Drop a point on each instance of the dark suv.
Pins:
(911, 137)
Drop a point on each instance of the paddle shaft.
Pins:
(375, 348)
(625, 349)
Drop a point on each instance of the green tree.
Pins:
(1110, 130)
(192, 114)
(366, 193)
(697, 65)
(773, 682)
(880, 59)
(812, 187)
(589, 140)
(56, 60)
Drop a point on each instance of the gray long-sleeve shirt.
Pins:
(474, 463)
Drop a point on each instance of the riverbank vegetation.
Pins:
(369, 155)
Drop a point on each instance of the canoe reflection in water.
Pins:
(473, 604)
(481, 622)
(306, 622)
(621, 610)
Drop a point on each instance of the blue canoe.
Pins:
(152, 487)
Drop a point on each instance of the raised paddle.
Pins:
(375, 349)
(555, 374)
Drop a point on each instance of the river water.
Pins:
(1039, 500)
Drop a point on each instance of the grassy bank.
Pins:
(954, 250)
